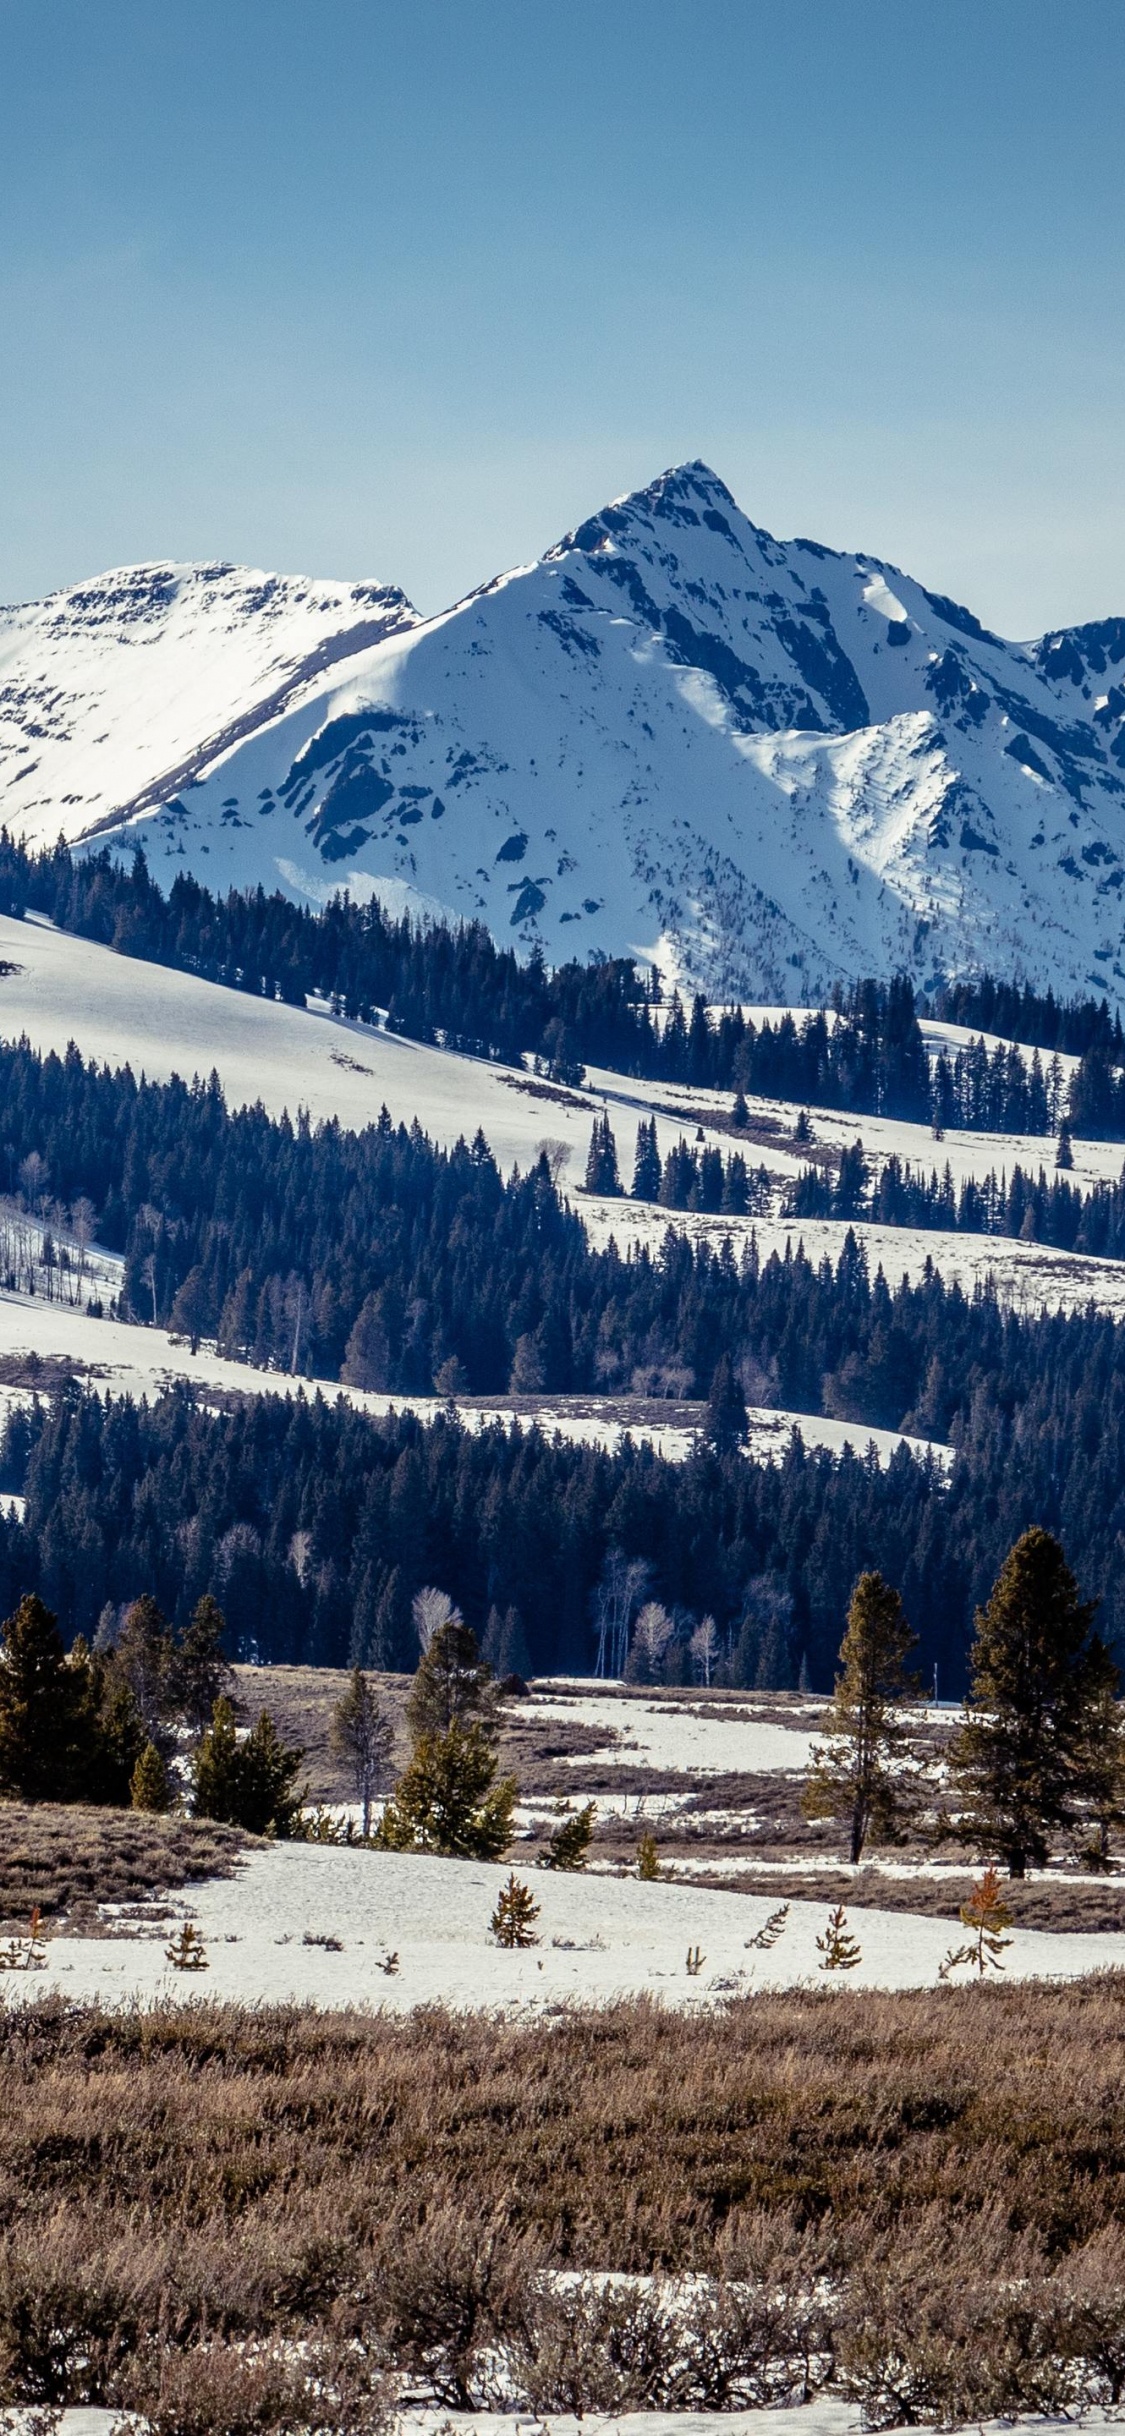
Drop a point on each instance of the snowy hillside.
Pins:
(769, 763)
(116, 692)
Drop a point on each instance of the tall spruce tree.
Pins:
(45, 1709)
(453, 1684)
(646, 1168)
(857, 1770)
(202, 1671)
(726, 1424)
(1020, 1755)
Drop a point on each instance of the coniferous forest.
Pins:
(383, 1260)
(436, 982)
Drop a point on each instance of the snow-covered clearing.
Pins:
(600, 1938)
(663, 1734)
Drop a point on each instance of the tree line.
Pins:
(379, 1258)
(451, 984)
(315, 1526)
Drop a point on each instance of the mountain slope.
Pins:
(116, 692)
(770, 764)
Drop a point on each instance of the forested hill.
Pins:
(451, 984)
(315, 1525)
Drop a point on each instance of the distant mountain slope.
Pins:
(116, 692)
(771, 764)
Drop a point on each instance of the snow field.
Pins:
(601, 1938)
(671, 1735)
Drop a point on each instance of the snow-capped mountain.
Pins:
(768, 763)
(116, 692)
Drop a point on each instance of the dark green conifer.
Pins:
(1037, 1669)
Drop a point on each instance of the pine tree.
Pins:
(601, 1161)
(646, 1171)
(1036, 1676)
(187, 1951)
(251, 1783)
(44, 1709)
(771, 1929)
(143, 1654)
(1064, 1155)
(726, 1424)
(148, 1786)
(202, 1672)
(453, 1683)
(512, 1922)
(987, 1915)
(568, 1844)
(266, 1775)
(111, 1727)
(648, 1863)
(448, 1801)
(856, 1773)
(364, 1737)
(838, 1948)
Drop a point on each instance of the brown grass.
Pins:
(919, 2196)
(68, 1860)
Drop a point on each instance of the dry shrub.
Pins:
(444, 2292)
(71, 1857)
(620, 2209)
(929, 2328)
(588, 2345)
(212, 2389)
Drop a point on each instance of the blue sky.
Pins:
(404, 292)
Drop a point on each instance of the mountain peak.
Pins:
(764, 764)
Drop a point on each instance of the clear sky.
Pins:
(406, 291)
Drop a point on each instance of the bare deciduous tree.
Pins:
(705, 1647)
(623, 1583)
(653, 1631)
(431, 1609)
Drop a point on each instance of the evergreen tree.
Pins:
(512, 1922)
(44, 1709)
(250, 1783)
(215, 1771)
(452, 1684)
(1101, 1760)
(266, 1777)
(601, 1162)
(364, 1737)
(112, 1729)
(1037, 1675)
(727, 1423)
(856, 1773)
(648, 1863)
(987, 1916)
(838, 1949)
(646, 1170)
(148, 1787)
(568, 1844)
(448, 1800)
(144, 1655)
(201, 1670)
